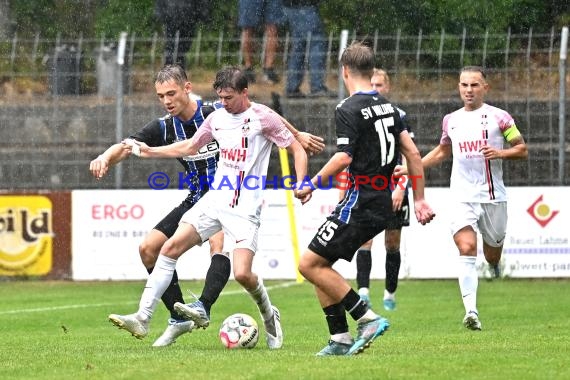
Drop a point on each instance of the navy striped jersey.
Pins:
(169, 129)
(368, 128)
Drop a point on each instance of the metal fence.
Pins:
(60, 106)
(421, 56)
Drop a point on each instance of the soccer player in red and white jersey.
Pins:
(475, 136)
(186, 112)
(245, 132)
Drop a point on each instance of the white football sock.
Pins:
(389, 296)
(261, 298)
(468, 281)
(368, 316)
(345, 338)
(156, 285)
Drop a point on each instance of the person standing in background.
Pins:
(180, 16)
(306, 26)
(252, 14)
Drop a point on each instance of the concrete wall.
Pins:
(48, 144)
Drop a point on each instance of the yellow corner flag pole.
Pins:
(284, 160)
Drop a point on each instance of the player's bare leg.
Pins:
(493, 257)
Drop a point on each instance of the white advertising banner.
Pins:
(108, 226)
(276, 258)
(537, 243)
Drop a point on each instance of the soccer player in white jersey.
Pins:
(245, 132)
(475, 136)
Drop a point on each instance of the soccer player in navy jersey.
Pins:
(380, 81)
(186, 112)
(370, 137)
(245, 131)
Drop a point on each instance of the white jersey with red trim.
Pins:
(474, 179)
(245, 142)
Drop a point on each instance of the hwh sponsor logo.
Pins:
(471, 146)
(233, 154)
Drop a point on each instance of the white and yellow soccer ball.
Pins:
(239, 331)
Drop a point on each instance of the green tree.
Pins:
(49, 18)
(94, 18)
(387, 16)
(132, 16)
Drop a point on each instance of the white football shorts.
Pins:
(208, 217)
(490, 219)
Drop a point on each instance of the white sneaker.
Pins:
(274, 341)
(139, 329)
(471, 321)
(174, 330)
(194, 311)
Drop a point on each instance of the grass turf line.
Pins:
(47, 335)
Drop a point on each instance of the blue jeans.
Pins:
(252, 13)
(302, 21)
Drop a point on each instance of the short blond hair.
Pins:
(381, 73)
(171, 72)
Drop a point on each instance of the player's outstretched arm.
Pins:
(436, 156)
(301, 164)
(177, 149)
(414, 166)
(339, 162)
(423, 211)
(311, 143)
(112, 156)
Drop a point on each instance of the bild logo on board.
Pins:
(26, 235)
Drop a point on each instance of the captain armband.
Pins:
(511, 133)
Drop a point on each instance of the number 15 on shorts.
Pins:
(327, 230)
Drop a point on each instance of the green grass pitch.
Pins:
(59, 330)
